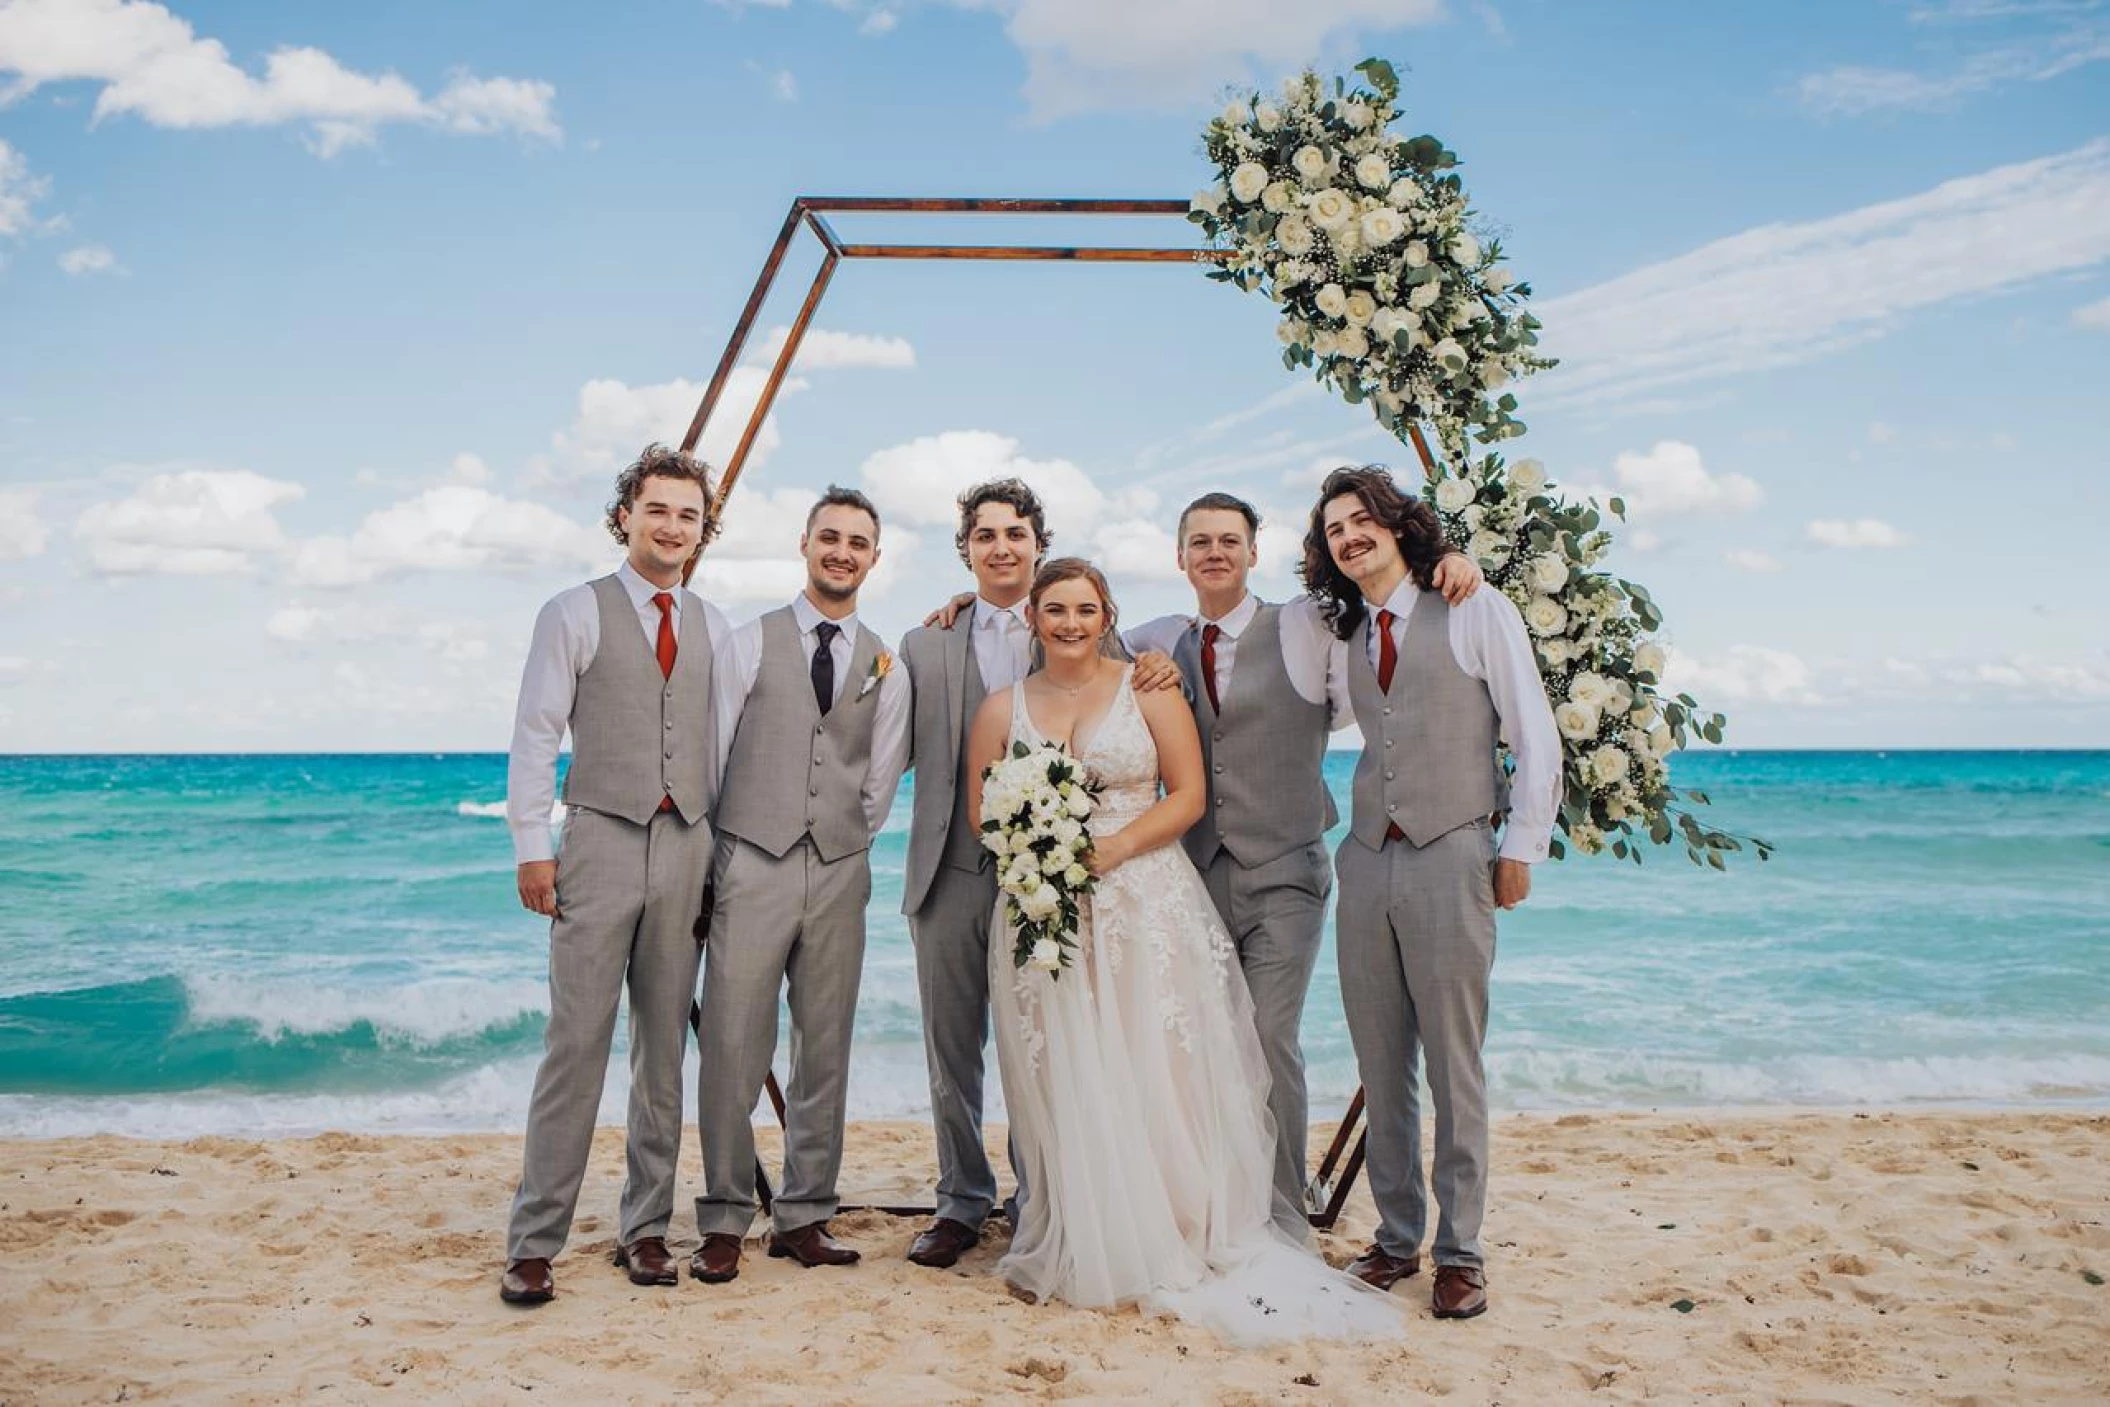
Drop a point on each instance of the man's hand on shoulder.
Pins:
(1154, 671)
(1458, 577)
(943, 617)
(538, 887)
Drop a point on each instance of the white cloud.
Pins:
(1880, 433)
(1742, 674)
(1086, 55)
(2048, 680)
(823, 350)
(19, 190)
(1788, 293)
(2095, 316)
(469, 469)
(1859, 532)
(190, 522)
(1850, 90)
(1671, 481)
(22, 532)
(153, 65)
(455, 527)
(614, 421)
(1751, 561)
(877, 23)
(90, 259)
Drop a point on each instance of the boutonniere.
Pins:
(882, 666)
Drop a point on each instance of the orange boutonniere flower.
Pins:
(882, 666)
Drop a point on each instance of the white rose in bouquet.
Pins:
(1374, 171)
(1294, 235)
(1465, 249)
(1210, 201)
(1546, 616)
(1649, 658)
(1311, 164)
(1494, 376)
(1425, 296)
(1075, 875)
(1527, 477)
(1448, 351)
(1548, 574)
(1490, 547)
(1267, 117)
(1055, 861)
(1475, 517)
(1591, 688)
(1248, 181)
(1453, 494)
(1405, 194)
(1330, 210)
(1622, 697)
(1352, 342)
(1608, 764)
(1496, 280)
(1278, 198)
(1554, 652)
(1289, 332)
(1661, 740)
(1325, 344)
(1047, 956)
(1384, 323)
(1381, 226)
(1360, 308)
(1357, 115)
(1331, 301)
(1577, 721)
(1235, 113)
(1416, 254)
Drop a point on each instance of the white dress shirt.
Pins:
(1003, 644)
(739, 660)
(567, 636)
(1315, 660)
(1490, 643)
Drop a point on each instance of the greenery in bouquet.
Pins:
(1036, 803)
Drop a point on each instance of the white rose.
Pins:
(1054, 862)
(1356, 115)
(1374, 171)
(1577, 721)
(1546, 616)
(1353, 343)
(1290, 332)
(1381, 226)
(1608, 764)
(1496, 280)
(1494, 376)
(1405, 193)
(1425, 295)
(1548, 573)
(1489, 547)
(1277, 198)
(1465, 249)
(1330, 210)
(1311, 164)
(1527, 477)
(1075, 876)
(1554, 652)
(1248, 181)
(1267, 117)
(1417, 254)
(1236, 114)
(1448, 351)
(1325, 344)
(1210, 201)
(1453, 494)
(1331, 300)
(1622, 697)
(1361, 308)
(1294, 235)
(1591, 688)
(1650, 659)
(1660, 740)
(1047, 955)
(1475, 516)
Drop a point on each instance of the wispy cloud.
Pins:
(1856, 532)
(20, 190)
(2046, 39)
(1788, 293)
(90, 259)
(2094, 315)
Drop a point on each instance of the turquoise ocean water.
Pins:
(266, 944)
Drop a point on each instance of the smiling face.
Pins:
(840, 547)
(1069, 619)
(662, 527)
(1216, 551)
(1362, 547)
(1001, 551)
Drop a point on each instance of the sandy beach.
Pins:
(1839, 1257)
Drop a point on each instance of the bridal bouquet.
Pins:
(1364, 239)
(1035, 803)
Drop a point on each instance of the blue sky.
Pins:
(323, 329)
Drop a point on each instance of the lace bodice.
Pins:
(1119, 752)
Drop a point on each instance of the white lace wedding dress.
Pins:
(1138, 1100)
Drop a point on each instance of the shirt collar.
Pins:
(809, 616)
(986, 612)
(1234, 621)
(642, 591)
(1402, 598)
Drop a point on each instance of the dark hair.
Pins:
(1222, 503)
(1411, 522)
(839, 497)
(1007, 491)
(659, 462)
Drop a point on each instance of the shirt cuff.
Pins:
(1523, 848)
(532, 844)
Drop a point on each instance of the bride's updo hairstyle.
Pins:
(1062, 569)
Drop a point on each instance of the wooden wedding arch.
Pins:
(1330, 1185)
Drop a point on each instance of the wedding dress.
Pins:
(1138, 1099)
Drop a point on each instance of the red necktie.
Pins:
(1387, 661)
(665, 601)
(1209, 634)
(666, 648)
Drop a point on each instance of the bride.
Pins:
(1135, 1080)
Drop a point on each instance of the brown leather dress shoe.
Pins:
(1460, 1292)
(943, 1242)
(717, 1260)
(648, 1261)
(527, 1282)
(811, 1245)
(1375, 1268)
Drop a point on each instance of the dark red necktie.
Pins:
(665, 601)
(1387, 661)
(1209, 634)
(666, 648)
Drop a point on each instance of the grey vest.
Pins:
(637, 737)
(963, 836)
(1264, 754)
(1429, 763)
(793, 772)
